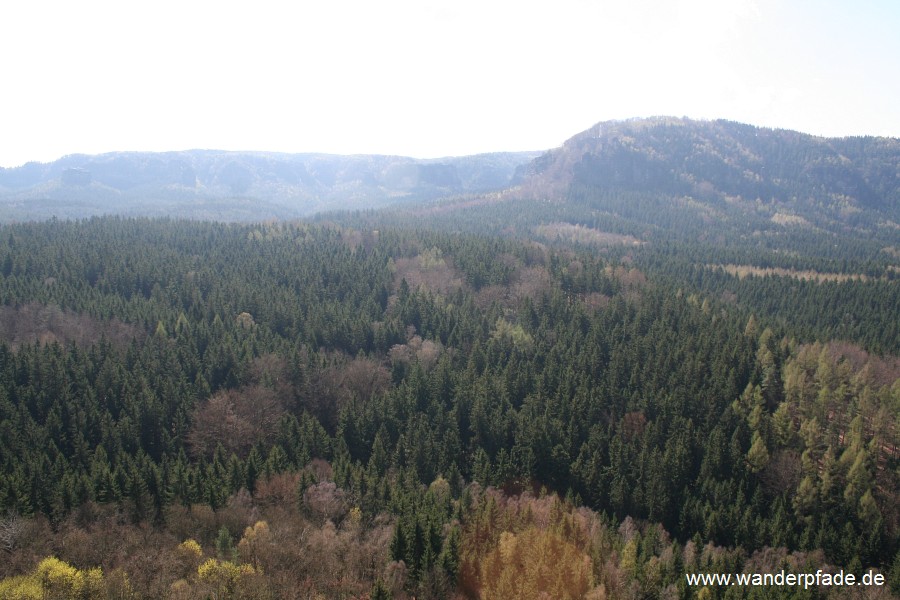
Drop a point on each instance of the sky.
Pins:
(430, 78)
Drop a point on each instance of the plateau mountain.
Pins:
(240, 186)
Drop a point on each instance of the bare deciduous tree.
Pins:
(341, 382)
(326, 500)
(235, 418)
(12, 527)
(216, 422)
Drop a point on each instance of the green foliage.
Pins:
(243, 356)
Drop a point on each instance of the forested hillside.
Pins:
(723, 184)
(799, 230)
(731, 174)
(278, 411)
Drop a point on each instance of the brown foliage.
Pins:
(321, 469)
(490, 294)
(534, 564)
(278, 490)
(782, 473)
(596, 300)
(429, 270)
(237, 419)
(271, 371)
(531, 282)
(526, 282)
(744, 271)
(280, 554)
(326, 501)
(47, 324)
(363, 378)
(633, 424)
(342, 381)
(36, 542)
(585, 235)
(426, 352)
(876, 370)
(512, 544)
(630, 278)
(201, 523)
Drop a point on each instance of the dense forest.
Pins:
(666, 347)
(373, 410)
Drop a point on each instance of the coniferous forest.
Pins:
(363, 407)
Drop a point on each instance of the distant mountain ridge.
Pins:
(241, 185)
(731, 168)
(629, 177)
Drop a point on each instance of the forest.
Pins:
(362, 408)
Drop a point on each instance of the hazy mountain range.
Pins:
(240, 185)
(709, 171)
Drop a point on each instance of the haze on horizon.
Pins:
(431, 79)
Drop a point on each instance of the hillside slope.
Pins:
(739, 193)
(723, 171)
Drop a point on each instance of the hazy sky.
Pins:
(430, 78)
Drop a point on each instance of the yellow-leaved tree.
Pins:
(535, 564)
(54, 579)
